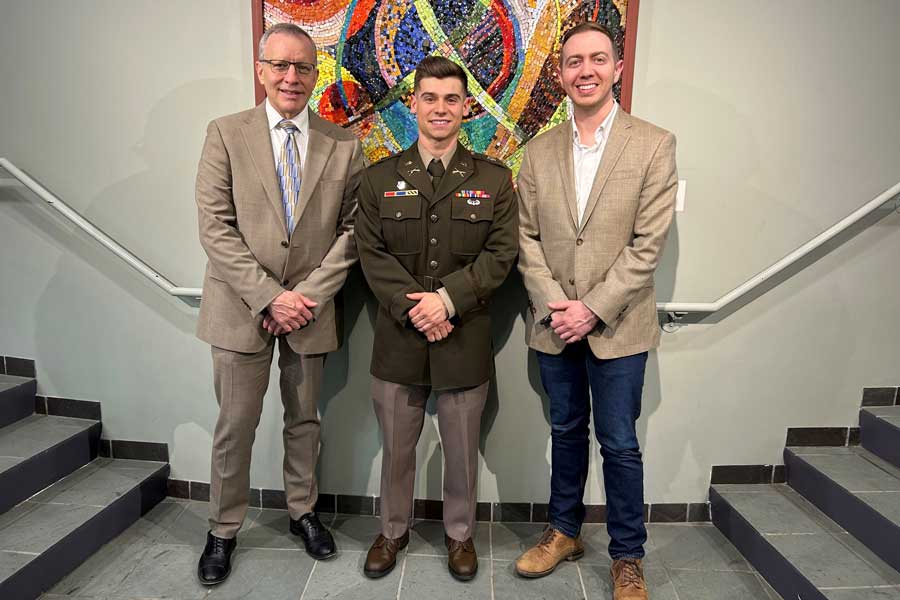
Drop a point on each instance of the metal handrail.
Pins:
(674, 309)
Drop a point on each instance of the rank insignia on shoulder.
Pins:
(472, 194)
(398, 193)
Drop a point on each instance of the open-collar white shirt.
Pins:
(587, 159)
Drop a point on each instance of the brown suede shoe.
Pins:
(553, 548)
(462, 559)
(628, 580)
(382, 556)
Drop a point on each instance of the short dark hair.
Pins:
(590, 26)
(440, 68)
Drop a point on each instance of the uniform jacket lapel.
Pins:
(618, 138)
(318, 151)
(461, 168)
(411, 169)
(259, 144)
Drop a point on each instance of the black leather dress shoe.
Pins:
(215, 562)
(318, 541)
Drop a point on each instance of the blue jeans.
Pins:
(615, 387)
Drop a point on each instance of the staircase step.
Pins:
(856, 489)
(47, 536)
(797, 548)
(880, 432)
(38, 450)
(16, 398)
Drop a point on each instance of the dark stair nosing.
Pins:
(765, 558)
(23, 480)
(17, 402)
(50, 566)
(879, 436)
(863, 521)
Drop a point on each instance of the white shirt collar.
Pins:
(601, 133)
(301, 120)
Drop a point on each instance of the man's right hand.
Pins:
(291, 310)
(439, 331)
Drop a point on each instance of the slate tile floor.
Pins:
(156, 558)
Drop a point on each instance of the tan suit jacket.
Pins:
(252, 259)
(606, 261)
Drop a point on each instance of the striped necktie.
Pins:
(289, 175)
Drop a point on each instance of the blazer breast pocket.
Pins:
(401, 224)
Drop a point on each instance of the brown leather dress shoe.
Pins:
(382, 556)
(628, 579)
(462, 561)
(553, 548)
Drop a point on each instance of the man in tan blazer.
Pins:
(276, 200)
(596, 198)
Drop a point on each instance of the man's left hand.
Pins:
(272, 326)
(429, 311)
(572, 320)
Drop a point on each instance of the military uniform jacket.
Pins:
(411, 238)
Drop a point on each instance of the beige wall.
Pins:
(786, 120)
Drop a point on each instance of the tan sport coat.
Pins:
(606, 261)
(252, 258)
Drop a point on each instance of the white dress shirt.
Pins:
(280, 135)
(587, 159)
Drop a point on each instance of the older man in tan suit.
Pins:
(276, 192)
(596, 198)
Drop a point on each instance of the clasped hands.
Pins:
(571, 320)
(287, 312)
(430, 315)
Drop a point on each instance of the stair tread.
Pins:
(869, 478)
(47, 517)
(35, 433)
(889, 412)
(818, 548)
(10, 381)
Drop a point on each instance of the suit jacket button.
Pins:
(434, 218)
(579, 242)
(285, 283)
(284, 244)
(571, 282)
(433, 241)
(433, 264)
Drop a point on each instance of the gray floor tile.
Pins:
(93, 484)
(510, 540)
(598, 583)
(717, 585)
(7, 461)
(14, 514)
(10, 562)
(870, 558)
(191, 526)
(893, 420)
(826, 562)
(265, 574)
(270, 528)
(342, 577)
(353, 533)
(159, 520)
(863, 594)
(36, 433)
(596, 547)
(165, 571)
(884, 411)
(11, 381)
(40, 528)
(427, 537)
(854, 473)
(886, 503)
(428, 577)
(103, 573)
(778, 509)
(563, 584)
(822, 450)
(699, 546)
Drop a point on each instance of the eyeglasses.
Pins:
(282, 66)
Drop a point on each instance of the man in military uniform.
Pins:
(437, 234)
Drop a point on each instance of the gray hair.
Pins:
(285, 28)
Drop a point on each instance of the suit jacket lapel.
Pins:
(318, 151)
(618, 138)
(462, 166)
(411, 169)
(259, 143)
(567, 164)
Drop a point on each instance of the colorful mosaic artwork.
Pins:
(368, 51)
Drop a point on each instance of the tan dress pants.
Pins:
(401, 413)
(241, 381)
